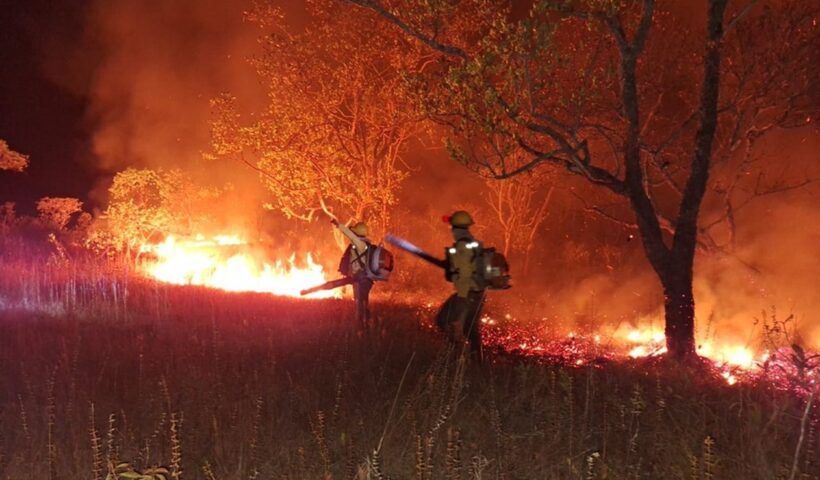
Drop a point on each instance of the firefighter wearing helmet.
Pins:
(354, 265)
(461, 313)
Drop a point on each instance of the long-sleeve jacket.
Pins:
(356, 240)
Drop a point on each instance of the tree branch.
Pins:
(739, 16)
(590, 172)
(425, 39)
(686, 232)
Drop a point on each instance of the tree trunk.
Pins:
(675, 272)
(674, 265)
(676, 276)
(679, 306)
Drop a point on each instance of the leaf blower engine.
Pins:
(492, 269)
(495, 269)
(380, 263)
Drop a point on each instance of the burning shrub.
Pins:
(149, 203)
(57, 211)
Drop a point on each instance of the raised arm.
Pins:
(354, 239)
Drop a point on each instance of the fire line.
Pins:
(218, 262)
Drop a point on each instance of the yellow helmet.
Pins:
(360, 229)
(461, 219)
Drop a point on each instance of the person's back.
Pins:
(354, 265)
(462, 311)
(462, 264)
(354, 260)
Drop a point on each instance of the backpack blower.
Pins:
(492, 267)
(377, 265)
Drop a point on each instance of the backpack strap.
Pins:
(361, 257)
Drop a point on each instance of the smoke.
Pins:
(772, 272)
(774, 269)
(148, 72)
(161, 65)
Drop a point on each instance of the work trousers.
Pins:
(361, 294)
(462, 316)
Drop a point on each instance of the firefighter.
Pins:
(462, 311)
(354, 265)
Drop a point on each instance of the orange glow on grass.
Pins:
(732, 361)
(209, 262)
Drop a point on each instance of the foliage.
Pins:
(11, 160)
(525, 89)
(332, 136)
(57, 211)
(148, 203)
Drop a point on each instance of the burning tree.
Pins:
(567, 84)
(11, 160)
(332, 136)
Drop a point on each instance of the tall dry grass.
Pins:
(104, 374)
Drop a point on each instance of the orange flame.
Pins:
(651, 341)
(204, 261)
(728, 357)
(733, 360)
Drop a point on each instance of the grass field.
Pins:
(100, 368)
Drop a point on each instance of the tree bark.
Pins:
(674, 266)
(677, 272)
(679, 308)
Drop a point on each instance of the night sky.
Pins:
(44, 120)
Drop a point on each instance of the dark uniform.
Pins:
(461, 313)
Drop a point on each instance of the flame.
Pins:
(732, 361)
(650, 342)
(204, 261)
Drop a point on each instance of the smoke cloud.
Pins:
(161, 65)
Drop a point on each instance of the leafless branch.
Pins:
(739, 16)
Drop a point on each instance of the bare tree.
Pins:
(519, 206)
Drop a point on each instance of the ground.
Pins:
(103, 367)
